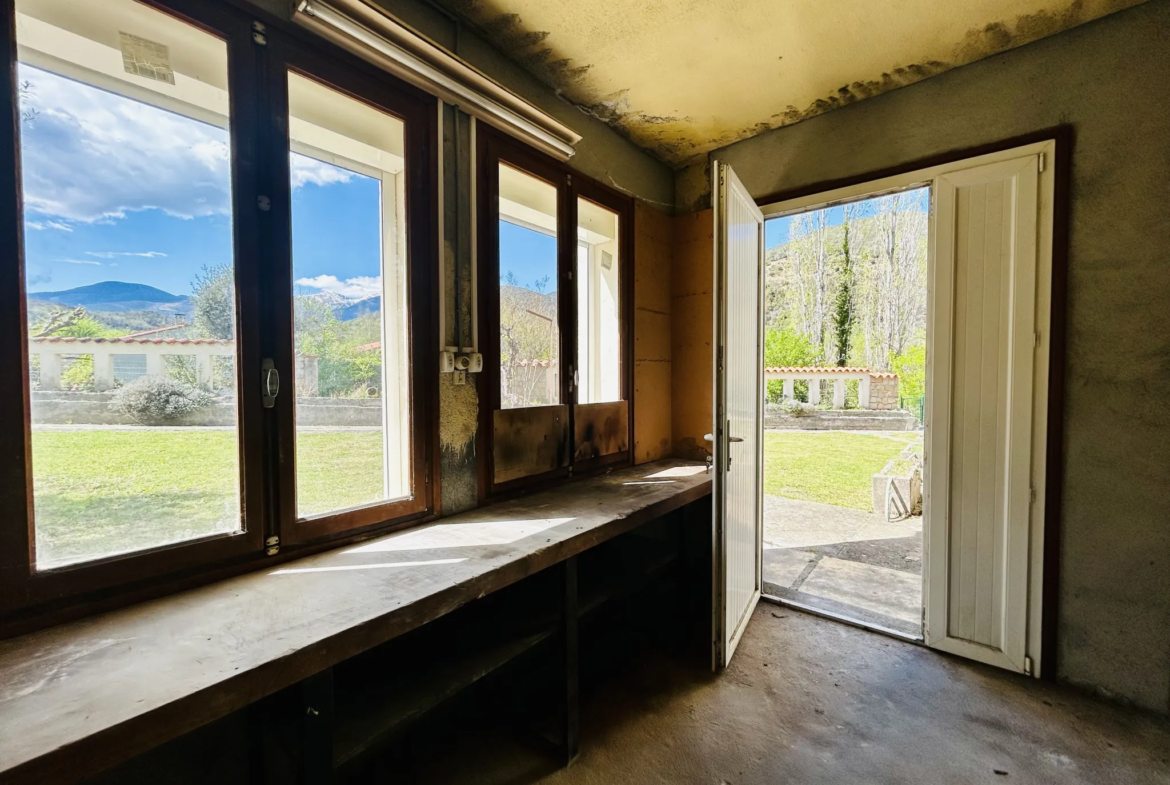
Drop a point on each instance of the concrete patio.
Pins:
(845, 561)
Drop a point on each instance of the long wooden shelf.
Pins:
(80, 698)
(367, 718)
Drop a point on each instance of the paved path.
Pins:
(844, 560)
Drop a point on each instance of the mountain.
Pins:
(118, 296)
(348, 308)
(355, 308)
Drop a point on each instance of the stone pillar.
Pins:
(838, 393)
(814, 391)
(50, 371)
(863, 392)
(884, 393)
(155, 366)
(103, 371)
(203, 370)
(305, 374)
(789, 389)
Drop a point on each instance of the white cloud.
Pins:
(309, 170)
(116, 254)
(88, 154)
(81, 261)
(91, 156)
(362, 286)
(41, 226)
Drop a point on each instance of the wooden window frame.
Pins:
(417, 111)
(30, 599)
(494, 148)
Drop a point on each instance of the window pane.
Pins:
(529, 332)
(349, 301)
(599, 348)
(129, 279)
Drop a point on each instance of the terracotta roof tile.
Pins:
(828, 370)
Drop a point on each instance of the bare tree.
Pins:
(60, 320)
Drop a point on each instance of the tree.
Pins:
(785, 348)
(843, 309)
(213, 302)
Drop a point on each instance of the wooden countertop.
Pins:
(82, 697)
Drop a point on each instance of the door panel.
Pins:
(980, 413)
(738, 446)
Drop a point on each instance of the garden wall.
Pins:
(82, 408)
(838, 420)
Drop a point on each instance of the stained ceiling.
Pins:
(683, 77)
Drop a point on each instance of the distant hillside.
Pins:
(356, 308)
(117, 296)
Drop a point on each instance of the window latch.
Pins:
(269, 382)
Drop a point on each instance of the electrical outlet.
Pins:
(475, 362)
(446, 362)
(460, 377)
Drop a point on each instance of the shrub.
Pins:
(797, 408)
(155, 399)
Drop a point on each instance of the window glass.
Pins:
(529, 332)
(350, 326)
(599, 362)
(130, 279)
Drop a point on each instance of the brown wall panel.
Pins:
(652, 329)
(601, 429)
(528, 442)
(691, 333)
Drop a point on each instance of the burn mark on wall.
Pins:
(600, 429)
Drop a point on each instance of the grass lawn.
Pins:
(99, 492)
(832, 467)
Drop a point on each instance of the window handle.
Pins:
(734, 439)
(269, 382)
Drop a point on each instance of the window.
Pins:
(129, 280)
(560, 401)
(599, 349)
(204, 217)
(349, 301)
(530, 334)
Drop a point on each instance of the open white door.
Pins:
(986, 408)
(738, 426)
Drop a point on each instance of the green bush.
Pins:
(797, 408)
(911, 369)
(787, 348)
(151, 400)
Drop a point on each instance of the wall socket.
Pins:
(460, 377)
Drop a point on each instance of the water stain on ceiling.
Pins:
(682, 77)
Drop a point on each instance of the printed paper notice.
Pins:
(145, 58)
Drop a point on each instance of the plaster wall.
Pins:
(1110, 81)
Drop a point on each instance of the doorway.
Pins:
(845, 302)
(981, 464)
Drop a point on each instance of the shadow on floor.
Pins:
(845, 562)
(808, 700)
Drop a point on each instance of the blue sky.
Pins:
(777, 230)
(119, 190)
(529, 255)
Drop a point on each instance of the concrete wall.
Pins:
(1110, 80)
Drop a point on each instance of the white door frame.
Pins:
(1041, 359)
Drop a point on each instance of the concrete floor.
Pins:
(812, 701)
(845, 561)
